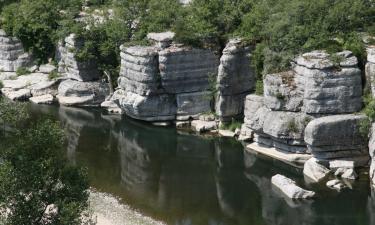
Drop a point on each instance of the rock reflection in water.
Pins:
(187, 179)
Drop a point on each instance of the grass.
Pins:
(53, 75)
(292, 126)
(22, 71)
(232, 126)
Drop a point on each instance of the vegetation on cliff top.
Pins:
(280, 29)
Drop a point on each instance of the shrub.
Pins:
(232, 126)
(22, 71)
(1, 84)
(53, 75)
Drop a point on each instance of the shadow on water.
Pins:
(186, 179)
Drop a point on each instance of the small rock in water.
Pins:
(350, 174)
(339, 171)
(290, 189)
(315, 171)
(335, 184)
(182, 124)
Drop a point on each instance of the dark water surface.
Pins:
(183, 179)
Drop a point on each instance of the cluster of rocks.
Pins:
(310, 111)
(12, 53)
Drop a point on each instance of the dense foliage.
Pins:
(37, 186)
(280, 29)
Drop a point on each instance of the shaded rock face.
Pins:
(165, 84)
(67, 63)
(332, 83)
(76, 93)
(12, 54)
(338, 136)
(236, 79)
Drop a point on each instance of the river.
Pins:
(160, 175)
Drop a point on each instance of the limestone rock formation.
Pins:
(332, 82)
(12, 54)
(68, 63)
(371, 147)
(236, 79)
(315, 171)
(165, 84)
(76, 93)
(290, 188)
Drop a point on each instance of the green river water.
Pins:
(183, 179)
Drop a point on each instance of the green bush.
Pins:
(22, 71)
(232, 126)
(1, 84)
(53, 75)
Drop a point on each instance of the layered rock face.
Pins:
(12, 54)
(236, 79)
(68, 64)
(81, 87)
(295, 113)
(165, 84)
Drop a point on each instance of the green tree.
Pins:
(38, 186)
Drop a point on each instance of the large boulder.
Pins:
(236, 79)
(12, 54)
(332, 82)
(184, 69)
(66, 56)
(337, 136)
(283, 91)
(76, 93)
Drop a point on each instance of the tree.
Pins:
(38, 185)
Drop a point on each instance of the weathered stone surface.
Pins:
(338, 132)
(191, 105)
(162, 40)
(236, 79)
(289, 126)
(76, 93)
(149, 108)
(371, 54)
(12, 54)
(255, 113)
(330, 86)
(17, 95)
(184, 69)
(43, 99)
(47, 68)
(350, 174)
(335, 184)
(315, 171)
(75, 69)
(203, 126)
(283, 91)
(290, 188)
(227, 133)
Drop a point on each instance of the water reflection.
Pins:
(187, 179)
